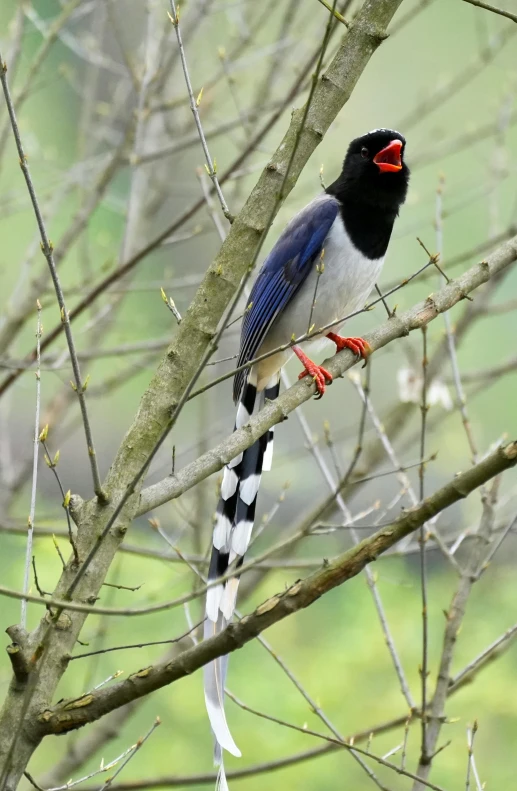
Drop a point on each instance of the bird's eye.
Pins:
(364, 152)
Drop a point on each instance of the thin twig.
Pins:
(370, 576)
(444, 549)
(137, 747)
(493, 9)
(494, 547)
(30, 522)
(471, 733)
(314, 707)
(347, 746)
(460, 393)
(122, 587)
(320, 268)
(48, 252)
(423, 562)
(111, 677)
(501, 459)
(56, 547)
(36, 580)
(381, 295)
(250, 771)
(130, 488)
(308, 335)
(137, 645)
(454, 619)
(72, 783)
(385, 441)
(404, 743)
(211, 167)
(318, 711)
(423, 313)
(65, 496)
(335, 13)
(129, 265)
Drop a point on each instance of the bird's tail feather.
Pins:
(231, 536)
(214, 678)
(221, 784)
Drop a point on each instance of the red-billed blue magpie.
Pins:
(334, 248)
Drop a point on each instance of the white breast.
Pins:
(343, 287)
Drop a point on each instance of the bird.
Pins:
(322, 268)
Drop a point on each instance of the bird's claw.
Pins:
(320, 375)
(358, 346)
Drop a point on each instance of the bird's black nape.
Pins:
(371, 192)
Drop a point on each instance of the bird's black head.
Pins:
(374, 171)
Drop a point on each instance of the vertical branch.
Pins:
(30, 524)
(194, 103)
(470, 763)
(312, 703)
(460, 393)
(423, 535)
(320, 268)
(454, 619)
(139, 185)
(332, 484)
(65, 496)
(48, 252)
(363, 392)
(382, 434)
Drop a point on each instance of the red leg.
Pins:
(318, 373)
(357, 345)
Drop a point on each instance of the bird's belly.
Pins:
(343, 288)
(324, 299)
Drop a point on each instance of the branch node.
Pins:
(19, 662)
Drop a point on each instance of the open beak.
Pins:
(388, 160)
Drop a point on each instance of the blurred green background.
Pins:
(446, 78)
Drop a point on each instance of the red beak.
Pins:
(388, 160)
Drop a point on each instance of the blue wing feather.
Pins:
(282, 274)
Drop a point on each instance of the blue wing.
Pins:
(282, 274)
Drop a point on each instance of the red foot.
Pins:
(318, 373)
(357, 345)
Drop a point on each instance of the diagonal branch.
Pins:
(48, 251)
(397, 326)
(71, 714)
(177, 368)
(333, 90)
(487, 7)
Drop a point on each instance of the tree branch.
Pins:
(397, 326)
(487, 7)
(176, 371)
(74, 713)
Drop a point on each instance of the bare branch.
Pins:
(493, 9)
(396, 327)
(48, 252)
(71, 714)
(30, 525)
(250, 771)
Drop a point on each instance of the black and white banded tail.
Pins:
(232, 532)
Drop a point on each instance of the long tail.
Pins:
(232, 533)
